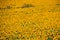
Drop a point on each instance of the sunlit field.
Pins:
(29, 19)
